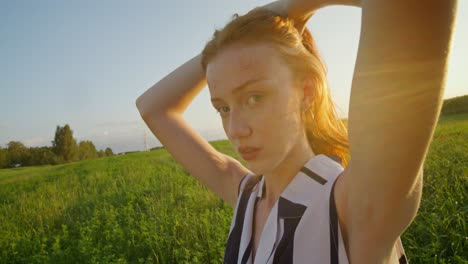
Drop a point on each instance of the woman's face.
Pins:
(258, 101)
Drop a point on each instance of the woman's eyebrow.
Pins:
(240, 88)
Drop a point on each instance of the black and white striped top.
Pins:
(302, 227)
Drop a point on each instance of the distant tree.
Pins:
(4, 158)
(101, 153)
(47, 156)
(87, 150)
(42, 156)
(18, 153)
(109, 152)
(64, 145)
(455, 105)
(155, 148)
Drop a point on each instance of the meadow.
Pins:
(145, 208)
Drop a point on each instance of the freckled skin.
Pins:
(245, 63)
(274, 123)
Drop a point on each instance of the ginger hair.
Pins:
(326, 133)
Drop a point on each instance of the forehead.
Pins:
(240, 63)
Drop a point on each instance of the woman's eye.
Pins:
(223, 110)
(253, 99)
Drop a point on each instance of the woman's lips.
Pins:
(250, 154)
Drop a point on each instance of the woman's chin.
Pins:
(256, 168)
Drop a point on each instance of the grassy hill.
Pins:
(145, 208)
(455, 105)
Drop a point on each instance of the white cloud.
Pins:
(133, 123)
(36, 142)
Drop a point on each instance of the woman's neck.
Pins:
(278, 179)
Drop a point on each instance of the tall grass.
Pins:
(145, 208)
(439, 233)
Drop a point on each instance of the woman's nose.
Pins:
(238, 126)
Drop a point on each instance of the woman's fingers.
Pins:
(295, 10)
(278, 7)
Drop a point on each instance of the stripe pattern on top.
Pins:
(302, 227)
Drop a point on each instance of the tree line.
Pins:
(64, 149)
(455, 105)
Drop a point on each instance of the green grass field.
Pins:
(145, 208)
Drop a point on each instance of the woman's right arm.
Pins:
(162, 107)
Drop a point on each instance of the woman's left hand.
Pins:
(301, 10)
(298, 10)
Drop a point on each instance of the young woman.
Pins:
(308, 195)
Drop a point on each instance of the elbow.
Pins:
(143, 107)
(139, 106)
(150, 110)
(137, 103)
(405, 211)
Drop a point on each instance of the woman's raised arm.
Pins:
(396, 98)
(162, 106)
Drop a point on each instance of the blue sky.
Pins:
(84, 63)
